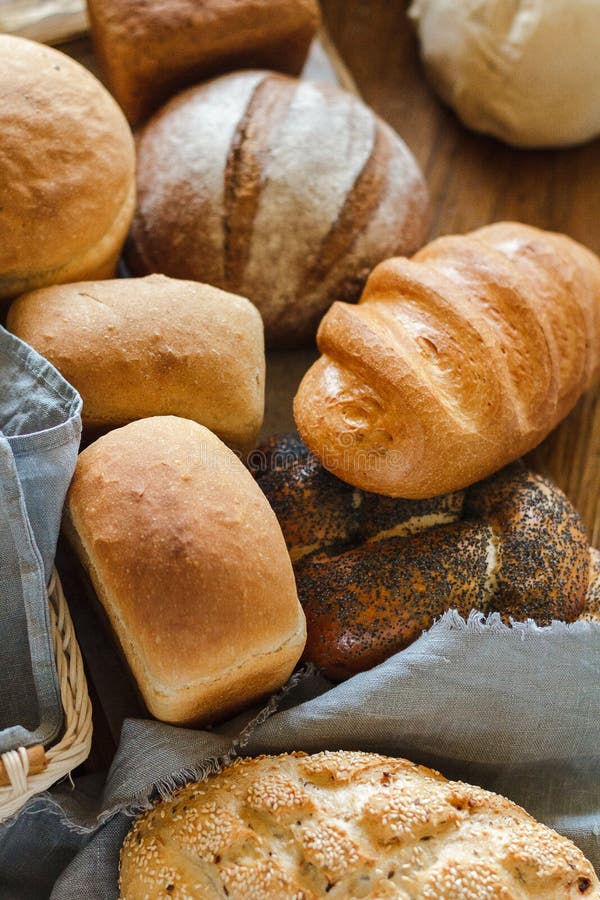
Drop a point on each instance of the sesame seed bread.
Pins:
(345, 825)
(138, 347)
(190, 566)
(283, 190)
(67, 157)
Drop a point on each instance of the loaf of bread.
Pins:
(138, 347)
(374, 572)
(285, 191)
(454, 363)
(190, 565)
(67, 160)
(343, 825)
(528, 73)
(149, 50)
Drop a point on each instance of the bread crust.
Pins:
(341, 825)
(374, 572)
(257, 173)
(139, 347)
(151, 50)
(68, 156)
(454, 363)
(190, 565)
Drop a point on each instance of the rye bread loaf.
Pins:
(342, 826)
(284, 191)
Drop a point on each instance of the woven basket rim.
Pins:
(74, 745)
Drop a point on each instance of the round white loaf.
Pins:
(526, 71)
(285, 191)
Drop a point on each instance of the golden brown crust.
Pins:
(150, 50)
(167, 521)
(454, 363)
(256, 172)
(69, 191)
(345, 824)
(138, 347)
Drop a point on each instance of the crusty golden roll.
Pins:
(341, 826)
(150, 50)
(455, 362)
(138, 347)
(283, 190)
(190, 565)
(67, 159)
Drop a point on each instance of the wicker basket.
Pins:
(32, 770)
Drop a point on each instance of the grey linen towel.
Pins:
(516, 710)
(40, 427)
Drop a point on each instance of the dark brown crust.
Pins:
(520, 550)
(372, 601)
(268, 104)
(543, 554)
(315, 509)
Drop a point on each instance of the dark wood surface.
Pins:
(474, 180)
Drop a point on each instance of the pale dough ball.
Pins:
(526, 71)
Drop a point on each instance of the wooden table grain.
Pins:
(474, 180)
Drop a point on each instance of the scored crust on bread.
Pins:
(341, 825)
(455, 362)
(283, 190)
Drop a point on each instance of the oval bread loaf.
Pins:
(342, 826)
(139, 347)
(285, 191)
(190, 565)
(455, 362)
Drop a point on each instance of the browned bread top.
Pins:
(190, 566)
(342, 825)
(283, 190)
(454, 362)
(149, 49)
(138, 347)
(67, 160)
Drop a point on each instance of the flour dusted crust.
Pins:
(285, 191)
(341, 825)
(526, 71)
